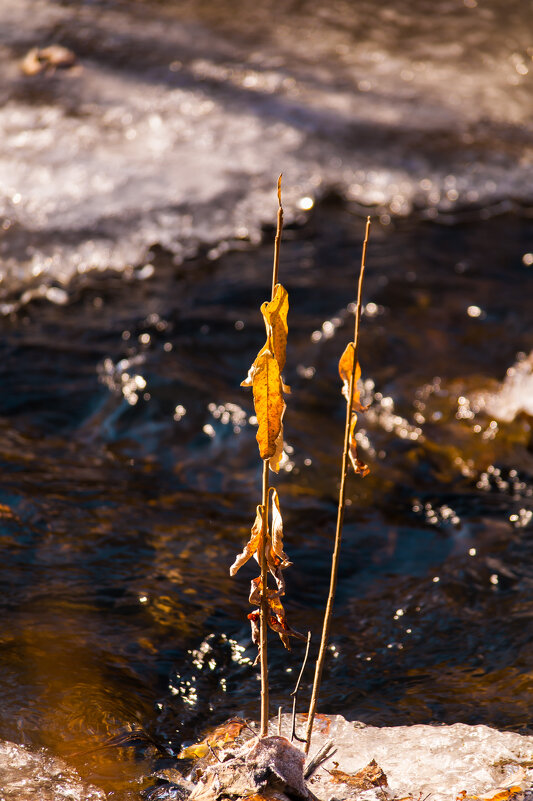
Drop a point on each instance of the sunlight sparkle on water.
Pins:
(179, 412)
(474, 311)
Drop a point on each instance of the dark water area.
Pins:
(130, 314)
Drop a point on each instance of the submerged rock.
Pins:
(36, 776)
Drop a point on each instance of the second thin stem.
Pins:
(328, 614)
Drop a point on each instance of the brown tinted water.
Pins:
(120, 517)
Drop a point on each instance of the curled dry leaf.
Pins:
(345, 372)
(346, 366)
(254, 618)
(359, 466)
(277, 531)
(367, 778)
(268, 402)
(253, 543)
(276, 615)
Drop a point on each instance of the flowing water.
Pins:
(137, 202)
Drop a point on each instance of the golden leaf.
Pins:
(275, 461)
(194, 751)
(253, 543)
(268, 402)
(225, 733)
(359, 466)
(345, 372)
(275, 317)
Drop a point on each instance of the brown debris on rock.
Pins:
(270, 768)
(366, 779)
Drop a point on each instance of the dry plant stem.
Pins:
(296, 691)
(263, 616)
(340, 510)
(277, 241)
(325, 753)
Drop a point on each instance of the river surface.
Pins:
(137, 199)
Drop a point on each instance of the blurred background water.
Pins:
(137, 198)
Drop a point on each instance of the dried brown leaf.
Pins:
(276, 531)
(276, 615)
(499, 794)
(367, 778)
(359, 466)
(253, 543)
(254, 618)
(268, 402)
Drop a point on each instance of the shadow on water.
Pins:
(130, 477)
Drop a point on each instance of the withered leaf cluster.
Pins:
(346, 366)
(264, 376)
(277, 561)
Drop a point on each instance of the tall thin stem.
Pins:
(340, 510)
(263, 615)
(277, 241)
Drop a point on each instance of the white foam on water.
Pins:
(514, 395)
(172, 128)
(30, 775)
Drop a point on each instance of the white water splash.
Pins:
(515, 395)
(171, 129)
(36, 776)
